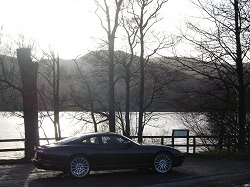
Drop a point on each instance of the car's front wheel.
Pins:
(162, 163)
(79, 166)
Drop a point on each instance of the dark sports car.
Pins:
(100, 151)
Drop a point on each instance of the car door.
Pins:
(92, 147)
(118, 151)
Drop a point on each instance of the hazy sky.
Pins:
(70, 26)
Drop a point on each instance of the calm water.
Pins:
(12, 127)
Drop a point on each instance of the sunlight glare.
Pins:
(61, 24)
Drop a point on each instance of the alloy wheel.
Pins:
(79, 166)
(162, 163)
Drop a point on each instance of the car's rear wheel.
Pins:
(79, 166)
(162, 163)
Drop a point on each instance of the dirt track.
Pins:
(194, 172)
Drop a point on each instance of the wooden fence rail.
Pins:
(187, 142)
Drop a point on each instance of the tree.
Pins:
(89, 88)
(9, 79)
(52, 82)
(131, 34)
(19, 89)
(224, 50)
(28, 71)
(91, 101)
(145, 14)
(56, 104)
(10, 84)
(111, 32)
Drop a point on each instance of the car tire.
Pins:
(79, 166)
(162, 163)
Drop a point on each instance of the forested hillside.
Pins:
(170, 84)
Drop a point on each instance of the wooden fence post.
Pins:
(162, 141)
(194, 145)
(172, 141)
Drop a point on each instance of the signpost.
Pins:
(180, 133)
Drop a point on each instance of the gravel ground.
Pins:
(194, 172)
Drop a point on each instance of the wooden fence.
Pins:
(191, 144)
(194, 144)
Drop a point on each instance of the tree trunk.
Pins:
(240, 76)
(28, 71)
(111, 40)
(127, 107)
(56, 99)
(111, 46)
(141, 94)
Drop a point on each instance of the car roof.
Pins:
(99, 133)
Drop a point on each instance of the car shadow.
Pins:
(107, 179)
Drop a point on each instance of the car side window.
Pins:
(113, 140)
(91, 140)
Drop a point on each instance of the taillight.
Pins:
(35, 156)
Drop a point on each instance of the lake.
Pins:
(12, 127)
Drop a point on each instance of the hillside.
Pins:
(169, 84)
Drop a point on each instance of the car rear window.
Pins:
(67, 140)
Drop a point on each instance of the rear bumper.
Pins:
(42, 164)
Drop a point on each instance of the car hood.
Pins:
(162, 147)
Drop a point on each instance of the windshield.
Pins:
(131, 140)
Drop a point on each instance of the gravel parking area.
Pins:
(194, 172)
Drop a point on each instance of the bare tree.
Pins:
(110, 30)
(145, 15)
(224, 50)
(10, 84)
(49, 88)
(88, 88)
(10, 81)
(18, 85)
(131, 34)
(91, 101)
